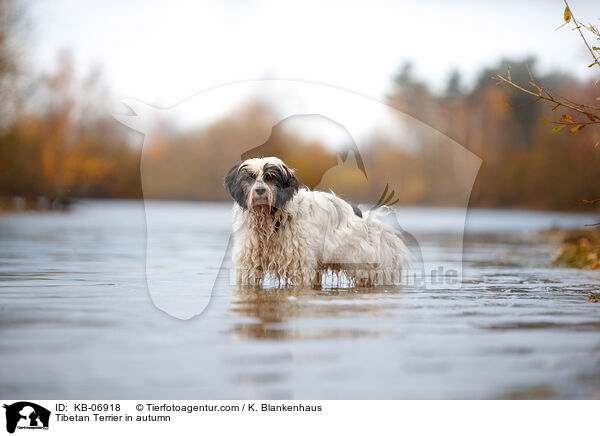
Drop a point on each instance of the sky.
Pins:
(163, 52)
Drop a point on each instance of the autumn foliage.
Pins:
(58, 140)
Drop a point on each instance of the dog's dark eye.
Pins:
(267, 177)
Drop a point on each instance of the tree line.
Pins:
(58, 140)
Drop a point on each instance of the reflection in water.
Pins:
(270, 313)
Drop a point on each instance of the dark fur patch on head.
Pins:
(285, 181)
(235, 185)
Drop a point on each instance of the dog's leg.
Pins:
(362, 277)
(318, 279)
(255, 277)
(251, 277)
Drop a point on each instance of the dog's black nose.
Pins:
(260, 190)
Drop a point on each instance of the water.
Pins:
(76, 320)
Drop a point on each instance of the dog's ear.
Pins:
(289, 187)
(291, 180)
(234, 186)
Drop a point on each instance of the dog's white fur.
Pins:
(313, 233)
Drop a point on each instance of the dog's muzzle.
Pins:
(260, 195)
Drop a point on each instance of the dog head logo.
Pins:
(26, 415)
(312, 172)
(181, 275)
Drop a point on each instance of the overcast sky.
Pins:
(165, 51)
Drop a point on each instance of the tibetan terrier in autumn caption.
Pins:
(288, 233)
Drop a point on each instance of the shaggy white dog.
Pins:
(289, 233)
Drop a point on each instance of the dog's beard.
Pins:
(266, 219)
(263, 216)
(262, 209)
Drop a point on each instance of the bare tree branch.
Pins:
(547, 95)
(578, 26)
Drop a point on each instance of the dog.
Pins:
(283, 230)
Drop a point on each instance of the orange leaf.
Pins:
(590, 116)
(567, 14)
(567, 118)
(577, 128)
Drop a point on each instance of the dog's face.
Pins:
(261, 184)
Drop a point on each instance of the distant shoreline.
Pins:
(43, 204)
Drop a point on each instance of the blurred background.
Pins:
(64, 67)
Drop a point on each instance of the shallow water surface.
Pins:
(76, 320)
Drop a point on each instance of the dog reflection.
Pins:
(269, 311)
